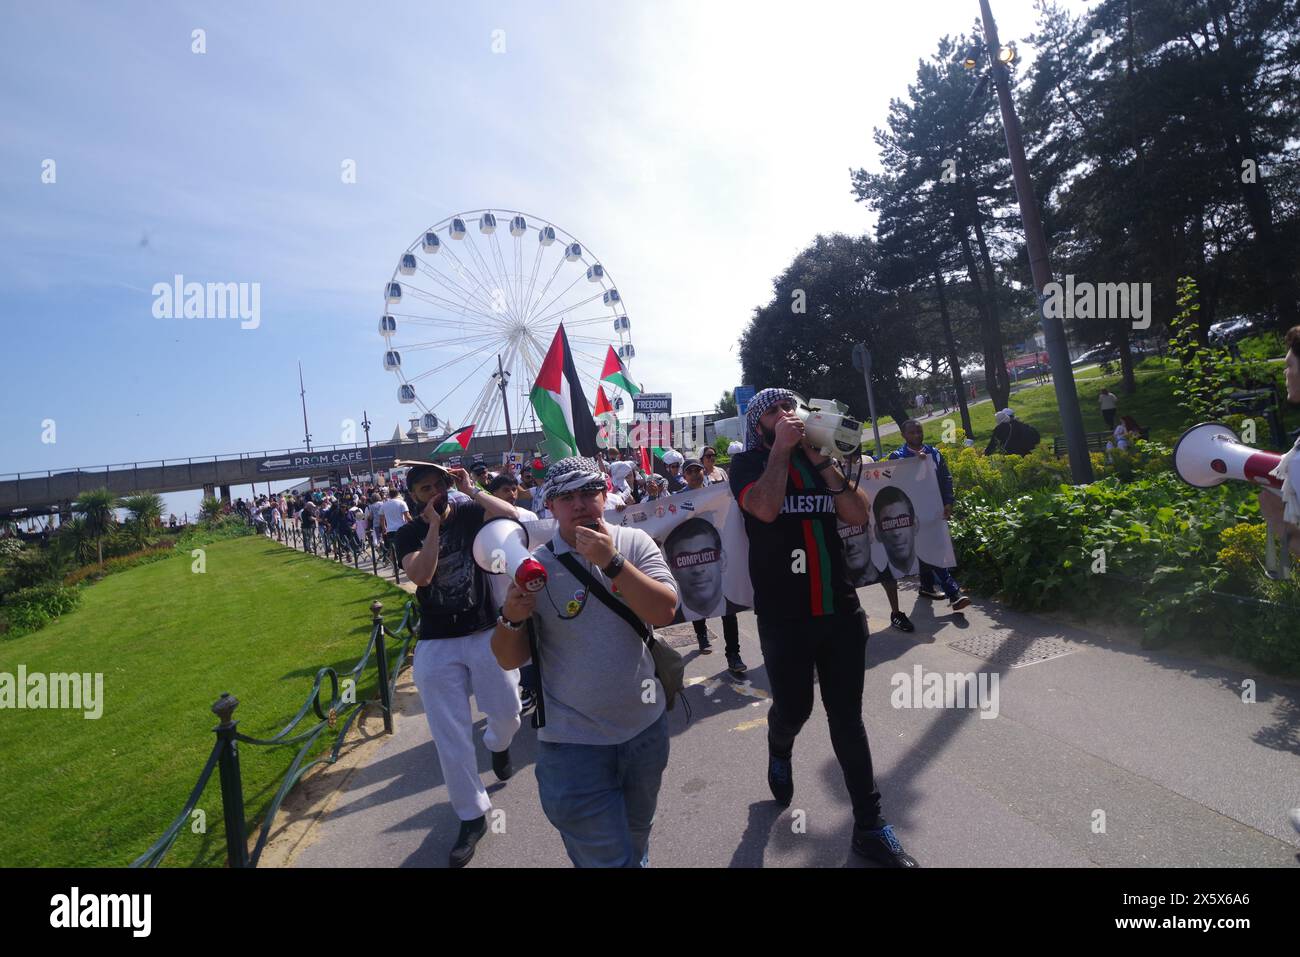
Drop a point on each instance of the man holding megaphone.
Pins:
(603, 747)
(453, 657)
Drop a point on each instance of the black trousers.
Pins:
(730, 633)
(1109, 416)
(837, 645)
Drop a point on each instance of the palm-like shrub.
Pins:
(210, 510)
(146, 515)
(96, 510)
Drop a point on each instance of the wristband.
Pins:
(509, 625)
(615, 566)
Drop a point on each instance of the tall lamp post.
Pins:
(503, 379)
(1067, 398)
(302, 393)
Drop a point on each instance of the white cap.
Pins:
(673, 457)
(735, 447)
(1003, 415)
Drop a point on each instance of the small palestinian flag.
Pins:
(456, 443)
(560, 404)
(602, 404)
(615, 373)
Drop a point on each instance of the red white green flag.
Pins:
(602, 404)
(560, 404)
(455, 443)
(615, 373)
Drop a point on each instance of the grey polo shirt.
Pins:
(594, 667)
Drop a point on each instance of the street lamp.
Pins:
(1067, 398)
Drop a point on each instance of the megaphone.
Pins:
(1210, 453)
(829, 427)
(501, 547)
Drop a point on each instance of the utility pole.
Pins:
(302, 393)
(503, 378)
(1058, 353)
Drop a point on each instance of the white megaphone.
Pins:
(501, 547)
(1210, 453)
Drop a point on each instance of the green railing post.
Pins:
(232, 790)
(381, 661)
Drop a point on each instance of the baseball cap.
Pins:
(692, 463)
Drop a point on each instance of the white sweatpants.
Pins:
(446, 672)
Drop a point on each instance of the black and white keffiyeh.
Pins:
(573, 474)
(754, 411)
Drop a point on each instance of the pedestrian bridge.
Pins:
(43, 492)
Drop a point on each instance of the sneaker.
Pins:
(960, 602)
(705, 647)
(501, 765)
(900, 621)
(735, 665)
(932, 593)
(882, 847)
(527, 700)
(462, 851)
(780, 778)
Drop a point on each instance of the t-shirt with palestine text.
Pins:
(784, 585)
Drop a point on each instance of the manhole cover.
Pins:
(1013, 651)
(677, 636)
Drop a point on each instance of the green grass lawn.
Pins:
(258, 623)
(1153, 405)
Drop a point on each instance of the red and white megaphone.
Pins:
(1210, 453)
(502, 548)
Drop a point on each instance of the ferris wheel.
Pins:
(473, 305)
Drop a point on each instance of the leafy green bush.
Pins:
(31, 609)
(1148, 550)
(93, 573)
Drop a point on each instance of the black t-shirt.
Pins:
(806, 522)
(458, 602)
(309, 514)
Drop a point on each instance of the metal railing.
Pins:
(336, 713)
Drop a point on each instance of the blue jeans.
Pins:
(931, 573)
(602, 797)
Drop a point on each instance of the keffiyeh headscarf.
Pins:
(573, 474)
(754, 411)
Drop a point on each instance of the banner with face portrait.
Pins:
(905, 524)
(702, 535)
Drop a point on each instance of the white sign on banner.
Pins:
(702, 535)
(905, 523)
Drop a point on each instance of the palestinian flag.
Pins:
(456, 443)
(615, 373)
(602, 404)
(560, 404)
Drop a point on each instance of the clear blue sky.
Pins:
(696, 146)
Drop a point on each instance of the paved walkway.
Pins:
(1187, 775)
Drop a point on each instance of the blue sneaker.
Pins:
(881, 846)
(780, 778)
